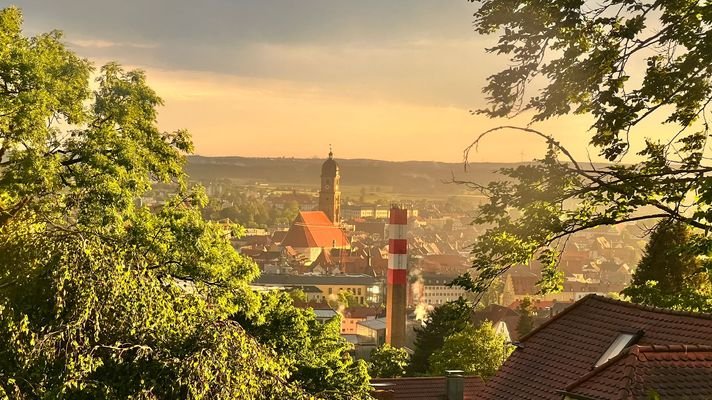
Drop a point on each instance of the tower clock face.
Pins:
(327, 187)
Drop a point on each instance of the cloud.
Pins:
(106, 44)
(274, 77)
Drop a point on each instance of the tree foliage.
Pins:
(526, 316)
(250, 212)
(476, 351)
(443, 321)
(100, 297)
(388, 362)
(670, 274)
(583, 59)
(315, 354)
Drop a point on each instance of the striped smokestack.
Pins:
(397, 277)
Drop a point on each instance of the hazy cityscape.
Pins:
(481, 200)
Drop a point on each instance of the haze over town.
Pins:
(381, 80)
(423, 200)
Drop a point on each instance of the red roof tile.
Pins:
(671, 372)
(428, 388)
(566, 347)
(314, 229)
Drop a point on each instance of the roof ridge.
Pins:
(674, 348)
(634, 353)
(617, 302)
(628, 351)
(556, 317)
(651, 308)
(629, 372)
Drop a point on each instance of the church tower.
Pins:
(329, 195)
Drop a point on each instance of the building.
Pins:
(311, 232)
(371, 211)
(434, 290)
(427, 388)
(330, 194)
(372, 331)
(353, 211)
(351, 316)
(364, 288)
(601, 349)
(642, 372)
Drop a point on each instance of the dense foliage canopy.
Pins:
(250, 212)
(670, 274)
(441, 322)
(579, 57)
(388, 362)
(526, 310)
(477, 351)
(313, 352)
(101, 297)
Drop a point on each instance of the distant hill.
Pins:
(402, 177)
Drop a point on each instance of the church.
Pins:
(313, 232)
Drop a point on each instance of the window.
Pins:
(359, 291)
(330, 290)
(622, 341)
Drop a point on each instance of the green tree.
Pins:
(314, 353)
(298, 295)
(443, 321)
(388, 362)
(100, 297)
(344, 299)
(670, 274)
(493, 294)
(585, 59)
(526, 316)
(476, 351)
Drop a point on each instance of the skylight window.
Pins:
(622, 341)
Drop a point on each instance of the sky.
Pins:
(392, 80)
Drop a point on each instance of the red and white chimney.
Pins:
(397, 279)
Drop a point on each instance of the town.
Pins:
(332, 254)
(318, 200)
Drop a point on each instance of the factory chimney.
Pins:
(397, 276)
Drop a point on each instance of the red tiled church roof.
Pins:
(314, 229)
(671, 372)
(567, 347)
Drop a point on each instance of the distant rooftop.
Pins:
(325, 314)
(375, 324)
(306, 280)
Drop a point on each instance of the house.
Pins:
(670, 372)
(353, 315)
(364, 288)
(372, 331)
(427, 388)
(433, 289)
(504, 320)
(600, 349)
(311, 293)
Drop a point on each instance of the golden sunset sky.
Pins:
(391, 80)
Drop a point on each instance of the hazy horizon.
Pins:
(390, 81)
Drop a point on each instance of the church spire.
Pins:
(330, 195)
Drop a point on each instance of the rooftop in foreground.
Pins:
(569, 346)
